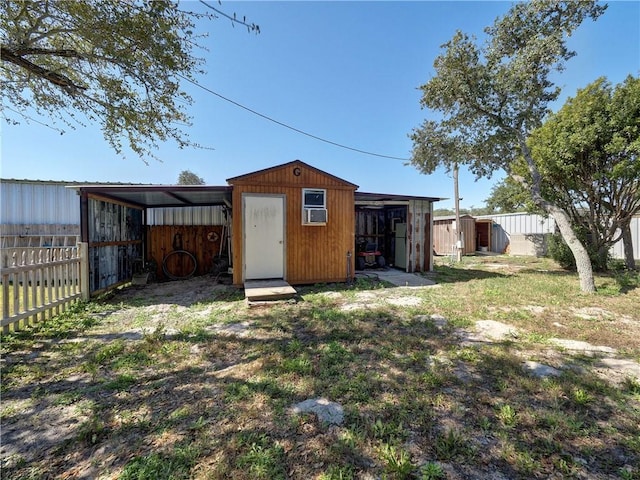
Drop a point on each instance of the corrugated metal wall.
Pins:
(505, 225)
(522, 223)
(617, 251)
(185, 216)
(38, 203)
(32, 202)
(115, 243)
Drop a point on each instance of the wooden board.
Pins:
(201, 241)
(265, 290)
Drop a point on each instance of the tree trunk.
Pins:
(583, 262)
(627, 240)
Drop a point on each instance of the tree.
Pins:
(117, 63)
(491, 98)
(187, 177)
(509, 196)
(588, 156)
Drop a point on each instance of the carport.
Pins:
(113, 221)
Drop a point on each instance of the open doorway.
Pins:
(381, 232)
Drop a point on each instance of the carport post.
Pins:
(84, 271)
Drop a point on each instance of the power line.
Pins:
(297, 130)
(23, 115)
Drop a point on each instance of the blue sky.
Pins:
(348, 72)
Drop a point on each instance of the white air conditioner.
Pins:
(315, 215)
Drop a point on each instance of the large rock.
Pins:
(330, 413)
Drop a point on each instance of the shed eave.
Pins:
(160, 196)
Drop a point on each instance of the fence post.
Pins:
(84, 270)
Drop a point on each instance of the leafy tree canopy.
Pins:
(187, 177)
(588, 154)
(447, 212)
(492, 97)
(116, 63)
(509, 196)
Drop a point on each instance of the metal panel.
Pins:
(38, 203)
(186, 216)
(617, 251)
(504, 225)
(115, 243)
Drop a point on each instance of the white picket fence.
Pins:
(40, 282)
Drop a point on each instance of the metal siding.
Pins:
(115, 242)
(33, 203)
(524, 223)
(504, 225)
(185, 216)
(617, 251)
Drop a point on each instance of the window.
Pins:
(314, 206)
(314, 198)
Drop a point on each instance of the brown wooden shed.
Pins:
(293, 222)
(444, 237)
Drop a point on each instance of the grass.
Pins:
(147, 383)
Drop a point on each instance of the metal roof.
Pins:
(447, 218)
(155, 196)
(390, 197)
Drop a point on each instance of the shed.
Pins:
(484, 227)
(293, 222)
(399, 226)
(444, 236)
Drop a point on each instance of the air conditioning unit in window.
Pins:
(315, 215)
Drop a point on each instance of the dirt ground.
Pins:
(36, 422)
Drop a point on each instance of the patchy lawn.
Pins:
(501, 371)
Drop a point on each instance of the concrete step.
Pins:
(265, 290)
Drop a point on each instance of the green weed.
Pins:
(431, 471)
(262, 457)
(507, 416)
(451, 444)
(176, 465)
(397, 461)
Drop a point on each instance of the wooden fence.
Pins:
(38, 283)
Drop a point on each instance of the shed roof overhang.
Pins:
(377, 199)
(160, 196)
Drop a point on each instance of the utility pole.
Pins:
(458, 229)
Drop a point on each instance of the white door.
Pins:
(401, 245)
(263, 237)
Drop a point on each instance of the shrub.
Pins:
(558, 250)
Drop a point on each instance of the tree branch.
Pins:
(57, 79)
(67, 53)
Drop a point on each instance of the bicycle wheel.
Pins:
(179, 265)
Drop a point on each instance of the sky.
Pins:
(348, 72)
